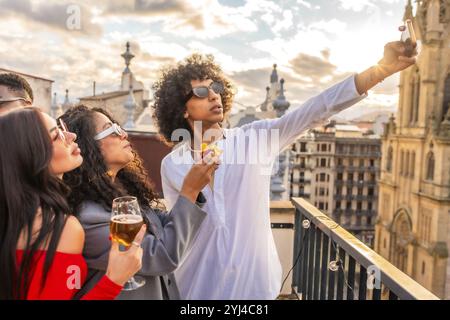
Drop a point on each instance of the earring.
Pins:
(186, 115)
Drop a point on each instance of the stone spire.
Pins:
(265, 104)
(66, 104)
(130, 105)
(408, 11)
(434, 27)
(127, 56)
(274, 75)
(281, 104)
(55, 108)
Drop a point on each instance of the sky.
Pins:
(315, 43)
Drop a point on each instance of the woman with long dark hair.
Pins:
(40, 242)
(111, 168)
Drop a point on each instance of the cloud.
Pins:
(313, 67)
(63, 16)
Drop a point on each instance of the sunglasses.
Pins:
(7, 100)
(203, 91)
(114, 129)
(61, 130)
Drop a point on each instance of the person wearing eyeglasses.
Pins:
(111, 169)
(15, 92)
(40, 241)
(234, 255)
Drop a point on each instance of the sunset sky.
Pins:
(314, 42)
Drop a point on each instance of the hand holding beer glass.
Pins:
(126, 221)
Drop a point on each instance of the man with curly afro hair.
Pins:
(234, 255)
(15, 92)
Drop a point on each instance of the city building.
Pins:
(413, 230)
(335, 167)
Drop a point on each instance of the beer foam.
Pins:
(127, 218)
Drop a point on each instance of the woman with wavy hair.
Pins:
(111, 168)
(40, 242)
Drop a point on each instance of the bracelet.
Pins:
(378, 73)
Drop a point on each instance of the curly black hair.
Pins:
(91, 181)
(171, 89)
(17, 84)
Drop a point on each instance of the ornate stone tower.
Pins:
(413, 229)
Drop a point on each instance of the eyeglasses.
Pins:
(12, 99)
(61, 131)
(114, 129)
(203, 91)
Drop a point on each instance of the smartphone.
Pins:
(409, 38)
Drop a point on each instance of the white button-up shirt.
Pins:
(234, 254)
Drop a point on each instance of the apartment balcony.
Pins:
(332, 264)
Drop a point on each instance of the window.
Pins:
(339, 162)
(323, 162)
(389, 160)
(384, 243)
(402, 158)
(360, 191)
(340, 176)
(430, 166)
(369, 206)
(415, 89)
(349, 205)
(423, 267)
(370, 192)
(350, 162)
(361, 162)
(324, 147)
(321, 206)
(350, 176)
(407, 164)
(317, 177)
(369, 221)
(322, 177)
(372, 163)
(318, 147)
(302, 146)
(373, 177)
(361, 177)
(359, 205)
(446, 100)
(338, 204)
(321, 191)
(338, 191)
(413, 163)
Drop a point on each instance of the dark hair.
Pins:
(174, 85)
(26, 185)
(90, 181)
(17, 84)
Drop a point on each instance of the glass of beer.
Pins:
(126, 221)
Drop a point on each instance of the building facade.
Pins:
(413, 230)
(335, 167)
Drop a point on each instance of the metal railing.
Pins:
(332, 264)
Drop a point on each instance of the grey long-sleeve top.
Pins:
(169, 236)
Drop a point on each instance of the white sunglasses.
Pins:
(114, 129)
